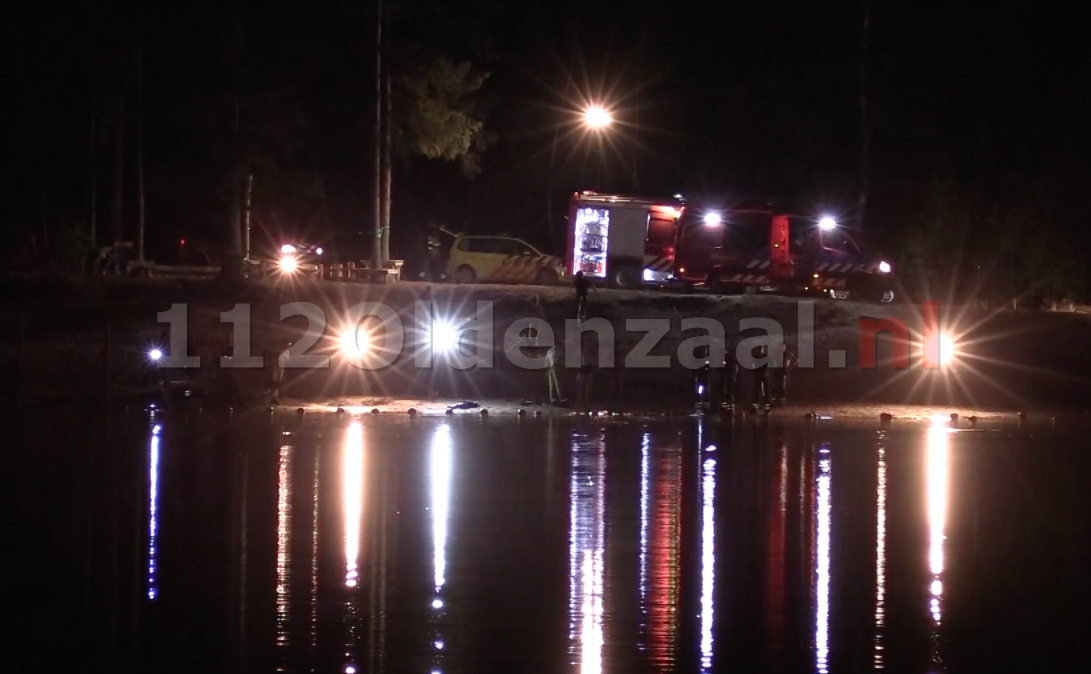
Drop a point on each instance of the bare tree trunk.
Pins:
(636, 148)
(93, 155)
(140, 153)
(117, 225)
(232, 266)
(865, 124)
(388, 169)
(247, 202)
(377, 225)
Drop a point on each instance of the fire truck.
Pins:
(736, 250)
(622, 241)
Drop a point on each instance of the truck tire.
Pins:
(626, 277)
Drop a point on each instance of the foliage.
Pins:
(434, 114)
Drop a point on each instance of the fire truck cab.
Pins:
(730, 251)
(622, 241)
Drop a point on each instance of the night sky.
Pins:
(724, 102)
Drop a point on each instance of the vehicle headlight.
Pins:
(288, 264)
(287, 248)
(884, 267)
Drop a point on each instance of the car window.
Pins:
(803, 235)
(520, 248)
(478, 245)
(660, 231)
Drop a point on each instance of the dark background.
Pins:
(978, 152)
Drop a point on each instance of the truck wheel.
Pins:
(626, 277)
(887, 297)
(839, 294)
(546, 277)
(465, 274)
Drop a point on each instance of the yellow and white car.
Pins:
(501, 259)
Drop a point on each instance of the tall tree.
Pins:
(140, 152)
(117, 224)
(426, 101)
(377, 257)
(233, 261)
(865, 128)
(388, 169)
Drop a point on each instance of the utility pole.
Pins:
(377, 225)
(387, 168)
(140, 147)
(93, 160)
(865, 128)
(233, 260)
(636, 148)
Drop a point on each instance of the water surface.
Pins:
(196, 542)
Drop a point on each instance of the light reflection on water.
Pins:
(665, 570)
(587, 491)
(153, 509)
(284, 540)
(682, 590)
(440, 475)
(937, 520)
(645, 478)
(776, 543)
(314, 550)
(352, 477)
(708, 558)
(822, 562)
(880, 554)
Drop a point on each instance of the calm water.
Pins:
(200, 543)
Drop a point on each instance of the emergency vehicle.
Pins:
(622, 241)
(501, 259)
(731, 251)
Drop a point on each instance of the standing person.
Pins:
(779, 386)
(554, 359)
(582, 285)
(730, 384)
(433, 260)
(761, 382)
(702, 379)
(276, 377)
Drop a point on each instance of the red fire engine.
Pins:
(622, 241)
(730, 251)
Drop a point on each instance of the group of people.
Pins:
(725, 385)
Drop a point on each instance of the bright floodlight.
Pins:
(353, 342)
(287, 248)
(155, 355)
(319, 251)
(940, 350)
(288, 264)
(884, 267)
(597, 117)
(827, 223)
(713, 219)
(444, 337)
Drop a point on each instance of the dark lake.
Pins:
(191, 542)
